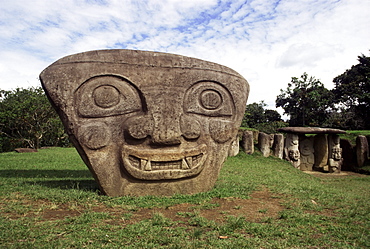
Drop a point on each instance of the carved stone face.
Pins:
(294, 139)
(294, 155)
(337, 153)
(148, 123)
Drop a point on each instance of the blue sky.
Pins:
(266, 41)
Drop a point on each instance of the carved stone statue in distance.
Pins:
(148, 123)
(292, 153)
(335, 160)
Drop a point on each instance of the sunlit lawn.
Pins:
(316, 212)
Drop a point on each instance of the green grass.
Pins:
(327, 212)
(352, 135)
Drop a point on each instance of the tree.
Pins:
(265, 120)
(272, 116)
(352, 93)
(254, 114)
(306, 101)
(28, 120)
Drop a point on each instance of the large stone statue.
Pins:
(148, 123)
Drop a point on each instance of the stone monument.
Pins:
(362, 150)
(307, 152)
(148, 123)
(264, 143)
(278, 146)
(335, 160)
(311, 153)
(248, 142)
(234, 147)
(292, 153)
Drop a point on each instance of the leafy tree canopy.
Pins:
(266, 120)
(352, 92)
(28, 120)
(306, 101)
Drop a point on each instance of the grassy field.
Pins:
(49, 200)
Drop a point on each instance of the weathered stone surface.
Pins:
(148, 123)
(307, 153)
(362, 150)
(291, 150)
(311, 130)
(335, 151)
(321, 152)
(278, 146)
(248, 142)
(348, 154)
(234, 147)
(264, 141)
(271, 140)
(255, 135)
(25, 150)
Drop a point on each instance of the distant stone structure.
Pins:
(291, 149)
(234, 147)
(307, 153)
(248, 142)
(335, 151)
(148, 123)
(321, 152)
(278, 146)
(264, 143)
(362, 150)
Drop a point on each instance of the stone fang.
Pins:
(189, 161)
(145, 165)
(184, 164)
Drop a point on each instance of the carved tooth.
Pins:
(184, 164)
(187, 163)
(189, 160)
(143, 162)
(148, 166)
(145, 165)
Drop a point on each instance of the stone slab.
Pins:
(311, 130)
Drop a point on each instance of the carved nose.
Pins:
(166, 130)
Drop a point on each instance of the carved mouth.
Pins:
(156, 164)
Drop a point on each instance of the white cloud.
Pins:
(268, 42)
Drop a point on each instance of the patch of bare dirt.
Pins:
(335, 175)
(262, 204)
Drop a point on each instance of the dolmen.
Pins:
(148, 123)
(321, 152)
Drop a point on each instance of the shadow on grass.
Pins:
(62, 179)
(86, 185)
(35, 173)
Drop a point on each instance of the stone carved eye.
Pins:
(210, 99)
(107, 95)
